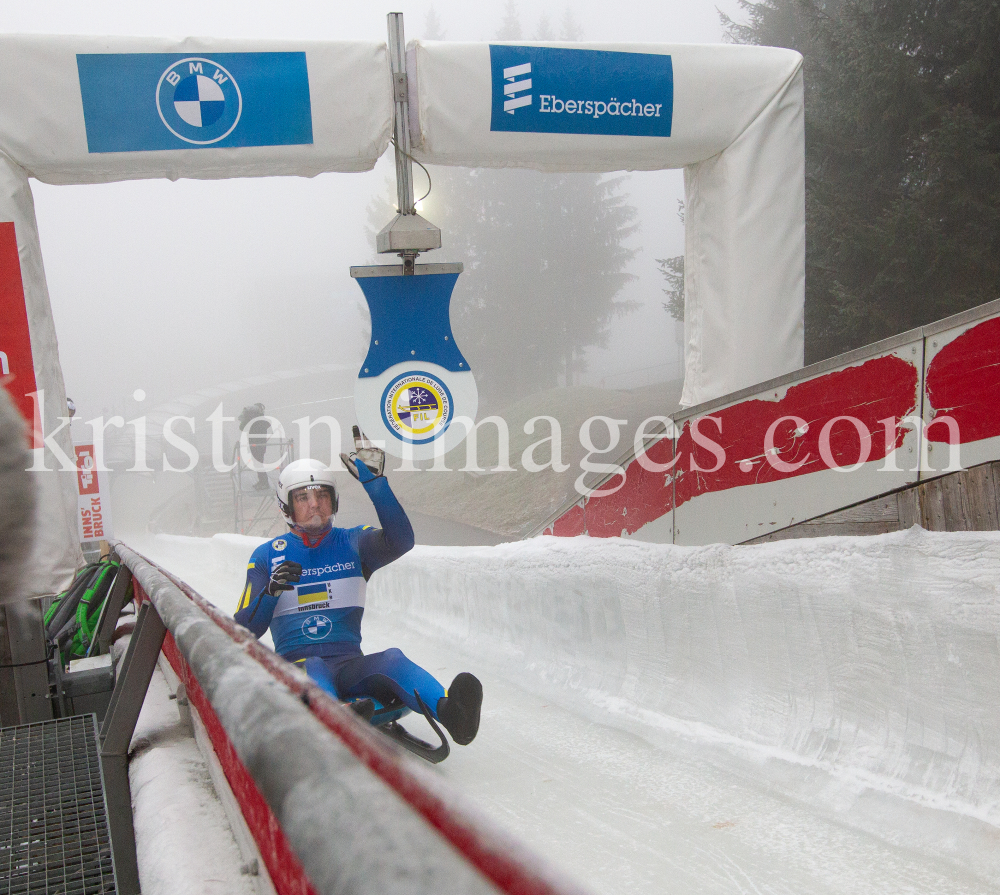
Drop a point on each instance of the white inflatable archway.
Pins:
(92, 110)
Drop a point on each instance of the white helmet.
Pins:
(300, 474)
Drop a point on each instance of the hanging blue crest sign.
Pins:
(414, 382)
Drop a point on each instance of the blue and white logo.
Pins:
(316, 627)
(137, 102)
(512, 86)
(417, 407)
(198, 101)
(577, 91)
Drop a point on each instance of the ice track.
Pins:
(802, 717)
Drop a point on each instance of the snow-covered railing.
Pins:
(834, 434)
(331, 805)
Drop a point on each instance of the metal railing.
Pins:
(332, 804)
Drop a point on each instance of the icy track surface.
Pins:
(814, 716)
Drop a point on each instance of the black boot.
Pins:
(458, 710)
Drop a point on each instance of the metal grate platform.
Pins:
(54, 834)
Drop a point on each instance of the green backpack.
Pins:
(72, 619)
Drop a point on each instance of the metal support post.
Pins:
(400, 123)
(408, 233)
(116, 734)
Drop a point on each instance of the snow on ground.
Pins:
(184, 844)
(805, 716)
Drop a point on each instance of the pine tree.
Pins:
(510, 28)
(432, 26)
(672, 271)
(902, 159)
(569, 30)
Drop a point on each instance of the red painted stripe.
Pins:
(570, 524)
(15, 337)
(874, 390)
(645, 496)
(877, 389)
(497, 858)
(963, 381)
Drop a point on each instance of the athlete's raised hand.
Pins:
(366, 462)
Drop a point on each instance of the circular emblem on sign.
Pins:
(417, 407)
(316, 627)
(198, 101)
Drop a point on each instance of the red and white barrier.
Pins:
(867, 423)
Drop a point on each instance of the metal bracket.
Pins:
(134, 675)
(401, 87)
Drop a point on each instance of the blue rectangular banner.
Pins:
(552, 90)
(135, 102)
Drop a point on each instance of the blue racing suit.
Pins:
(321, 616)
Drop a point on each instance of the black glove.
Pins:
(367, 462)
(285, 577)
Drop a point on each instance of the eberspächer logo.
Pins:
(417, 407)
(559, 90)
(512, 86)
(199, 101)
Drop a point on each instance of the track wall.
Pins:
(874, 659)
(912, 408)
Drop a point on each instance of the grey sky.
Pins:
(174, 286)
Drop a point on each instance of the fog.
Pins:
(162, 289)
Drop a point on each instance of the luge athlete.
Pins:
(308, 587)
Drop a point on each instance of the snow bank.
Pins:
(184, 844)
(874, 658)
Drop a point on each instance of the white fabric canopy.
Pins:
(736, 129)
(56, 551)
(95, 109)
(89, 109)
(57, 94)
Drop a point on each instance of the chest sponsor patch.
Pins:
(312, 593)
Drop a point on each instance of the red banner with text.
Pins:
(17, 369)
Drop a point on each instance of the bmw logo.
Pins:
(198, 101)
(316, 627)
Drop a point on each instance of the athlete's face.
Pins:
(312, 507)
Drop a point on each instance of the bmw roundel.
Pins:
(198, 100)
(316, 627)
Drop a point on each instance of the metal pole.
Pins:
(408, 234)
(401, 124)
